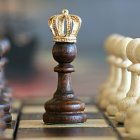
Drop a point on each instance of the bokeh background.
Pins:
(29, 71)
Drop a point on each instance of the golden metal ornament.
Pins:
(65, 27)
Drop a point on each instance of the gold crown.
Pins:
(65, 27)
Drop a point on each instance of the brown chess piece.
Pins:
(64, 107)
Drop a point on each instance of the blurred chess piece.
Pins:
(134, 91)
(5, 91)
(134, 110)
(110, 57)
(126, 77)
(115, 81)
(5, 96)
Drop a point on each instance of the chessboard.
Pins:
(28, 124)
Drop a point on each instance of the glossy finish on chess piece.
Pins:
(64, 107)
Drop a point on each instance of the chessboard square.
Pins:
(93, 115)
(40, 124)
(72, 138)
(16, 104)
(33, 109)
(66, 132)
(14, 116)
(87, 99)
(91, 108)
(8, 133)
(36, 101)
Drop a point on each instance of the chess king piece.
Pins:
(126, 77)
(64, 107)
(104, 102)
(134, 91)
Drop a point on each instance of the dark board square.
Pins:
(65, 132)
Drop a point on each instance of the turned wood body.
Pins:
(64, 107)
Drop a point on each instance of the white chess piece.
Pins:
(131, 112)
(110, 58)
(117, 74)
(126, 77)
(134, 91)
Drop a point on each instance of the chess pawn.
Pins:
(110, 58)
(64, 107)
(117, 74)
(132, 111)
(126, 77)
(134, 91)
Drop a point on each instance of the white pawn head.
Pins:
(109, 42)
(121, 49)
(137, 53)
(131, 49)
(115, 45)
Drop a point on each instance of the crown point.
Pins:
(65, 11)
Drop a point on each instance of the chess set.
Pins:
(113, 116)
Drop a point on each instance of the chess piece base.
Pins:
(64, 111)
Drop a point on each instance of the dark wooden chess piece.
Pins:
(5, 91)
(4, 102)
(64, 107)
